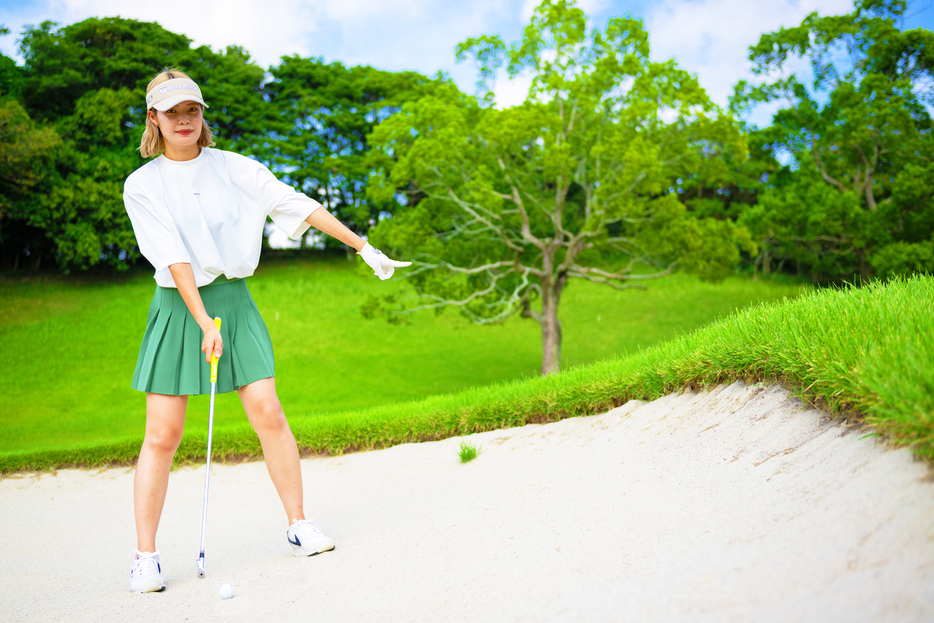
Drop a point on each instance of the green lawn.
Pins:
(69, 345)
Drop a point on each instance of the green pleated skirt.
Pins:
(170, 358)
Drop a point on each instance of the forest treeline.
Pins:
(839, 185)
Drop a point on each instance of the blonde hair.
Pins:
(152, 143)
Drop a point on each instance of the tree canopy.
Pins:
(504, 207)
(856, 196)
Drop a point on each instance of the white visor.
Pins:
(170, 93)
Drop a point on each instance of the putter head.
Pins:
(201, 566)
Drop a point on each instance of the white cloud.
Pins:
(511, 92)
(267, 30)
(424, 44)
(369, 9)
(711, 38)
(391, 34)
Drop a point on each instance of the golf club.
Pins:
(207, 469)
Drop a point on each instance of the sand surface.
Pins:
(737, 504)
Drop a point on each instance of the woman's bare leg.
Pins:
(265, 413)
(165, 423)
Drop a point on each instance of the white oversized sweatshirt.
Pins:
(209, 212)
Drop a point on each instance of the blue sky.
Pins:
(707, 37)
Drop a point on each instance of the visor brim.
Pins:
(175, 100)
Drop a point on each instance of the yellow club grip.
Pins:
(217, 321)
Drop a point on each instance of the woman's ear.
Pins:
(152, 117)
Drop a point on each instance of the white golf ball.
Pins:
(227, 591)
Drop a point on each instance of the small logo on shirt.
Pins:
(197, 194)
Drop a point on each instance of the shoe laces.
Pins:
(306, 526)
(146, 563)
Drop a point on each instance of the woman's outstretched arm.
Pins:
(188, 289)
(325, 222)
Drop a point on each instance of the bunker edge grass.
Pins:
(864, 354)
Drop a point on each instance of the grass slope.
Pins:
(69, 346)
(868, 350)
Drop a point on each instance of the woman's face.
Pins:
(180, 127)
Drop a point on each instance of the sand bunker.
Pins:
(734, 504)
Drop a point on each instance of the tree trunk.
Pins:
(551, 340)
(551, 326)
(863, 267)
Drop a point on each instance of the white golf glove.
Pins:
(382, 266)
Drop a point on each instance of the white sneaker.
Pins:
(307, 539)
(146, 573)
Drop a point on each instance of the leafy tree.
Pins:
(504, 207)
(855, 197)
(323, 115)
(63, 64)
(27, 156)
(10, 74)
(114, 53)
(239, 112)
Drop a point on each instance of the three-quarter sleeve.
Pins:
(156, 233)
(287, 208)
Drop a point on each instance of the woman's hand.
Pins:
(382, 266)
(212, 343)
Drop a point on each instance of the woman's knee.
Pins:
(164, 439)
(268, 415)
(165, 422)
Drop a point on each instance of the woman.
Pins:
(198, 215)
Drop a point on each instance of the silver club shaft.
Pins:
(207, 482)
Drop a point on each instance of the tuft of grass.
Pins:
(866, 352)
(467, 452)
